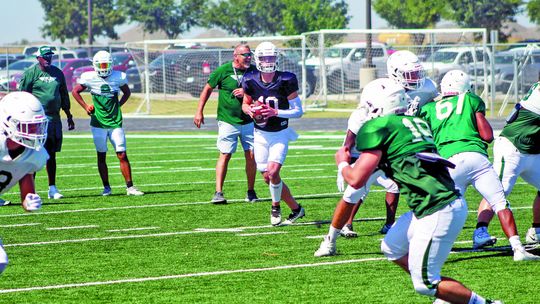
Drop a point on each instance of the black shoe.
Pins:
(296, 214)
(218, 198)
(251, 196)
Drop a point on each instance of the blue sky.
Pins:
(22, 19)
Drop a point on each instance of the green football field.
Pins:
(173, 246)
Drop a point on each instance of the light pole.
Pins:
(90, 37)
(368, 71)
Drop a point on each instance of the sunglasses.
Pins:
(246, 54)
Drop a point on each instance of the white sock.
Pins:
(515, 242)
(275, 191)
(333, 234)
(476, 299)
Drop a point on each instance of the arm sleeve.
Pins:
(64, 95)
(25, 84)
(295, 109)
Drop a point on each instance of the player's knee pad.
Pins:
(504, 204)
(392, 188)
(423, 289)
(352, 195)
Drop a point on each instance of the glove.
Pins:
(32, 202)
(413, 106)
(340, 182)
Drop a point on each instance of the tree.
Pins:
(68, 19)
(303, 16)
(483, 13)
(533, 10)
(246, 17)
(170, 16)
(410, 14)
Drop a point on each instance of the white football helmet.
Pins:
(405, 68)
(23, 120)
(382, 97)
(266, 57)
(102, 62)
(455, 82)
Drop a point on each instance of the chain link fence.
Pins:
(331, 65)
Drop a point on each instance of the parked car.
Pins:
(68, 66)
(463, 58)
(9, 75)
(343, 62)
(6, 59)
(188, 71)
(121, 62)
(528, 60)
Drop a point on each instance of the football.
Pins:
(258, 116)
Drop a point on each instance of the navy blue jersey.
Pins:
(273, 94)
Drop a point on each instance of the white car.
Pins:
(343, 62)
(463, 58)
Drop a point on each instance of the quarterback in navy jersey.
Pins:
(271, 98)
(273, 94)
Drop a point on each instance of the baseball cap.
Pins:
(45, 50)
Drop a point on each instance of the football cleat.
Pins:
(385, 228)
(251, 196)
(348, 232)
(106, 191)
(327, 248)
(275, 216)
(54, 194)
(295, 215)
(533, 235)
(3, 202)
(134, 191)
(218, 198)
(520, 254)
(481, 238)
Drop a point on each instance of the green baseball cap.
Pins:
(45, 50)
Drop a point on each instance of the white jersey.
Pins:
(13, 170)
(107, 86)
(357, 119)
(424, 94)
(532, 101)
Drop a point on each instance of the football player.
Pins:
(352, 198)
(421, 239)
(106, 117)
(517, 153)
(462, 133)
(405, 69)
(23, 131)
(275, 93)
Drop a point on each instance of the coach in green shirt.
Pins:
(232, 122)
(48, 84)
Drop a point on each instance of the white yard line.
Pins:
(72, 227)
(133, 229)
(19, 225)
(262, 233)
(188, 275)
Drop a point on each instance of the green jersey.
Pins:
(524, 131)
(427, 186)
(227, 79)
(453, 121)
(107, 113)
(49, 87)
